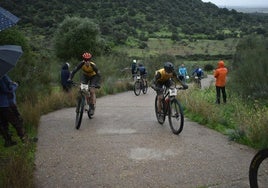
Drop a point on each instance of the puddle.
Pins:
(116, 131)
(148, 154)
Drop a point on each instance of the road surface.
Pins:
(124, 146)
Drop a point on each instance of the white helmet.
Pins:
(134, 61)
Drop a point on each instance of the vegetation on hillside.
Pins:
(124, 20)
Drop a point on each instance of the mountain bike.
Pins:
(171, 107)
(82, 103)
(140, 85)
(258, 170)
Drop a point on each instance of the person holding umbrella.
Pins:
(9, 112)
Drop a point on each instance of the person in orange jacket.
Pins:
(220, 74)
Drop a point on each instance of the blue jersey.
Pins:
(198, 72)
(142, 70)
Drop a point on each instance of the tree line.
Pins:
(121, 19)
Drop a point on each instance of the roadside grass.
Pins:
(242, 122)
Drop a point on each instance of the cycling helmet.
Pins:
(169, 67)
(86, 55)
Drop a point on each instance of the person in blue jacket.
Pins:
(65, 74)
(9, 112)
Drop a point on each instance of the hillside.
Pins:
(122, 20)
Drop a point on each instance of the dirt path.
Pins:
(124, 146)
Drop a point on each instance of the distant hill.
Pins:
(123, 20)
(247, 9)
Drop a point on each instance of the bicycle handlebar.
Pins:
(79, 83)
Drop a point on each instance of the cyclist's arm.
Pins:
(77, 68)
(96, 70)
(156, 77)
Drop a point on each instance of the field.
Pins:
(183, 48)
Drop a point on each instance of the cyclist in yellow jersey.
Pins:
(163, 78)
(90, 75)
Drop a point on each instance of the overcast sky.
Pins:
(246, 3)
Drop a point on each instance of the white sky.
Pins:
(245, 3)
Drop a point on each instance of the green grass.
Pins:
(182, 48)
(241, 122)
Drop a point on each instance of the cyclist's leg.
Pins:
(94, 81)
(160, 96)
(85, 80)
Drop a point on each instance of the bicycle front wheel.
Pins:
(145, 87)
(137, 88)
(160, 116)
(175, 116)
(258, 170)
(79, 111)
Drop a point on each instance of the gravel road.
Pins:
(124, 146)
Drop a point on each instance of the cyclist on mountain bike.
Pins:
(143, 72)
(198, 72)
(90, 75)
(163, 78)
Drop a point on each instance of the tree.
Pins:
(76, 35)
(249, 74)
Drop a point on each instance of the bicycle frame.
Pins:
(169, 94)
(170, 107)
(81, 103)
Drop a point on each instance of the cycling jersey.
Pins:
(142, 70)
(162, 76)
(199, 72)
(89, 71)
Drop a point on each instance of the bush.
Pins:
(249, 74)
(208, 67)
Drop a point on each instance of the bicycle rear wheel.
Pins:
(159, 116)
(258, 170)
(175, 116)
(79, 111)
(137, 88)
(145, 87)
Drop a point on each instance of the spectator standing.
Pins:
(9, 112)
(220, 74)
(65, 74)
(182, 72)
(134, 68)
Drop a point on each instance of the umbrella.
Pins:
(9, 55)
(7, 19)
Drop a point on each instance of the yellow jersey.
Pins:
(164, 75)
(88, 70)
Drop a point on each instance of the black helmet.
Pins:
(169, 67)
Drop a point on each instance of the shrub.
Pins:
(249, 74)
